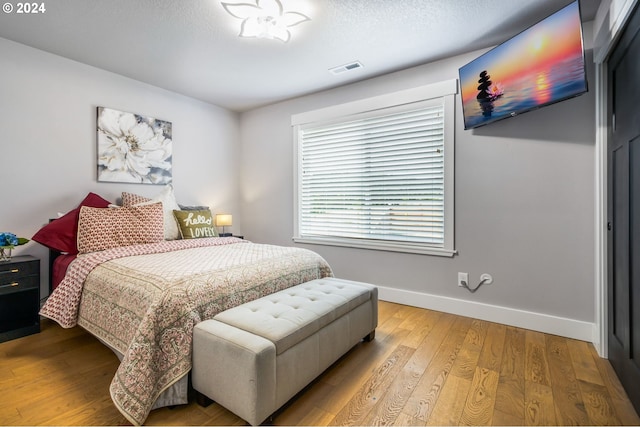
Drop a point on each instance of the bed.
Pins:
(143, 300)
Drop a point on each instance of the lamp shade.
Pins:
(223, 220)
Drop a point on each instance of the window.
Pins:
(378, 173)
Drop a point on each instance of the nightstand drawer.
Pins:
(19, 284)
(17, 268)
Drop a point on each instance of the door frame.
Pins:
(613, 16)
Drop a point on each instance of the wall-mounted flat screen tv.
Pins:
(542, 65)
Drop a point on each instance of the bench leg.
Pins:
(370, 337)
(269, 421)
(203, 400)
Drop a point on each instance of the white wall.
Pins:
(524, 208)
(48, 141)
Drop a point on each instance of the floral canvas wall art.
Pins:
(133, 148)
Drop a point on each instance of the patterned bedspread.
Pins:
(144, 301)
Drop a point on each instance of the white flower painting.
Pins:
(133, 148)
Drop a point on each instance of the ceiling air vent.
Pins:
(347, 67)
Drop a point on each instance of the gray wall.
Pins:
(48, 141)
(524, 206)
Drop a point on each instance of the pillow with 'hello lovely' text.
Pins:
(195, 224)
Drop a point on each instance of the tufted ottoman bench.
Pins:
(253, 358)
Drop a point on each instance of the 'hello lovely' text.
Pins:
(198, 220)
(203, 231)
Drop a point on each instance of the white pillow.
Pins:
(169, 204)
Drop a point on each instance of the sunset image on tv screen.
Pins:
(542, 65)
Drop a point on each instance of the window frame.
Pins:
(445, 90)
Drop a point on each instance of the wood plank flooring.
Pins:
(423, 368)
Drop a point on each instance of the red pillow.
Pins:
(61, 234)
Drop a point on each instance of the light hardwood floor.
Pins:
(423, 368)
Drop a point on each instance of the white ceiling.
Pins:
(191, 46)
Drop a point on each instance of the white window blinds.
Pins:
(378, 173)
(380, 177)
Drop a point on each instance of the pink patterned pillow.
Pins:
(130, 199)
(62, 234)
(169, 204)
(106, 228)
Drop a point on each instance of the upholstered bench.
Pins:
(253, 358)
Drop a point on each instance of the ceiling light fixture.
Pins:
(266, 19)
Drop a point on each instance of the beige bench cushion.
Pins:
(288, 317)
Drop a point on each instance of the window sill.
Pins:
(414, 248)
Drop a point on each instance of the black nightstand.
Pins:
(19, 297)
(230, 235)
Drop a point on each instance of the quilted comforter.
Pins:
(144, 301)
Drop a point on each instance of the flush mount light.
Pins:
(265, 19)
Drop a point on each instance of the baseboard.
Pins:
(493, 313)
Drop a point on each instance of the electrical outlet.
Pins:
(463, 277)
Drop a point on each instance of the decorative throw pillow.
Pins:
(130, 199)
(106, 228)
(61, 233)
(195, 224)
(169, 203)
(192, 208)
